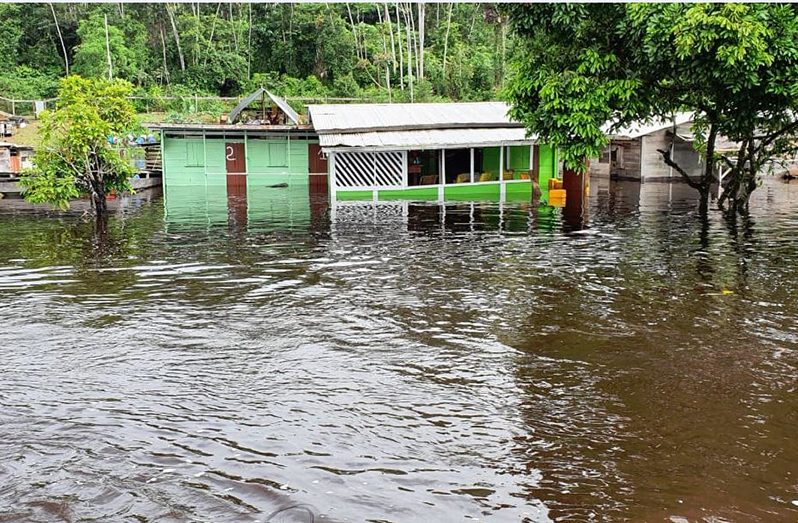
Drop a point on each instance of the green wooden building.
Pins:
(441, 151)
(200, 155)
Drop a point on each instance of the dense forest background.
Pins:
(380, 52)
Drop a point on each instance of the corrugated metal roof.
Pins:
(343, 118)
(638, 129)
(426, 139)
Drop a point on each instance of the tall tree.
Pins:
(580, 66)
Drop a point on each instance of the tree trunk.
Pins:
(401, 52)
(354, 30)
(446, 42)
(393, 42)
(422, 14)
(61, 38)
(163, 48)
(409, 58)
(98, 197)
(708, 176)
(249, 43)
(210, 38)
(177, 38)
(108, 51)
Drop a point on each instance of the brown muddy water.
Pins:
(401, 362)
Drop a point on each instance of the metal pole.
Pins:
(404, 169)
(204, 157)
(531, 160)
(502, 187)
(443, 166)
(331, 173)
(472, 164)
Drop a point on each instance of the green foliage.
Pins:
(10, 30)
(579, 66)
(26, 83)
(568, 79)
(221, 49)
(346, 87)
(91, 57)
(75, 156)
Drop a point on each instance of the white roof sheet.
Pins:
(638, 129)
(426, 139)
(329, 118)
(284, 107)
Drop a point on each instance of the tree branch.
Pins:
(768, 139)
(666, 157)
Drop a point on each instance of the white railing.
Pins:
(369, 170)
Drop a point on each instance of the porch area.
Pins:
(493, 172)
(458, 151)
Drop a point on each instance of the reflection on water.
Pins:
(210, 360)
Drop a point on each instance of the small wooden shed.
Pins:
(14, 158)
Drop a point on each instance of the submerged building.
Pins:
(633, 151)
(430, 151)
(272, 147)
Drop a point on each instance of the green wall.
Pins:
(547, 159)
(490, 160)
(519, 159)
(194, 161)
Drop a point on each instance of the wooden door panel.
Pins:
(317, 161)
(317, 169)
(234, 158)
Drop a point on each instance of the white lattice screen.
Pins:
(368, 170)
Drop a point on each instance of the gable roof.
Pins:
(279, 102)
(644, 128)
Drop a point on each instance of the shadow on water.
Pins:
(215, 357)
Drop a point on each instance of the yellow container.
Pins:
(554, 183)
(557, 194)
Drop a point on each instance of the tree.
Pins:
(91, 56)
(76, 156)
(734, 65)
(12, 31)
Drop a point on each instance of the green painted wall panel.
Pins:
(490, 160)
(355, 195)
(269, 162)
(416, 193)
(547, 160)
(489, 191)
(176, 162)
(519, 158)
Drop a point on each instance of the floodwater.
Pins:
(401, 362)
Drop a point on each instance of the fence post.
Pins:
(13, 107)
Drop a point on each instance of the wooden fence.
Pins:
(194, 103)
